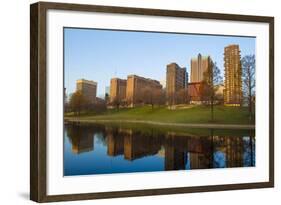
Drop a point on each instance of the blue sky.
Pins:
(100, 55)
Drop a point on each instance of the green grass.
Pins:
(194, 114)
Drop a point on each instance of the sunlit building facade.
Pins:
(232, 76)
(176, 80)
(137, 86)
(88, 88)
(118, 89)
(199, 65)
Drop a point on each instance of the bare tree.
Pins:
(148, 96)
(181, 96)
(248, 78)
(116, 102)
(78, 102)
(212, 78)
(161, 97)
(158, 96)
(129, 102)
(106, 98)
(152, 96)
(170, 99)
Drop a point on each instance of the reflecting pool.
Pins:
(110, 148)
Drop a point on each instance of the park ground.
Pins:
(190, 114)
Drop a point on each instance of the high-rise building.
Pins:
(176, 80)
(137, 86)
(232, 76)
(117, 89)
(199, 66)
(88, 89)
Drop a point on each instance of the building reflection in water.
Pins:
(115, 142)
(81, 139)
(179, 150)
(138, 144)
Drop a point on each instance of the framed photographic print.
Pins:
(133, 102)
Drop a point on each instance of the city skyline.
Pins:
(122, 53)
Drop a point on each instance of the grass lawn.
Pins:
(192, 114)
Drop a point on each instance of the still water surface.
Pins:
(104, 149)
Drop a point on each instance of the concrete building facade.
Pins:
(136, 85)
(88, 89)
(118, 89)
(232, 76)
(176, 80)
(199, 65)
